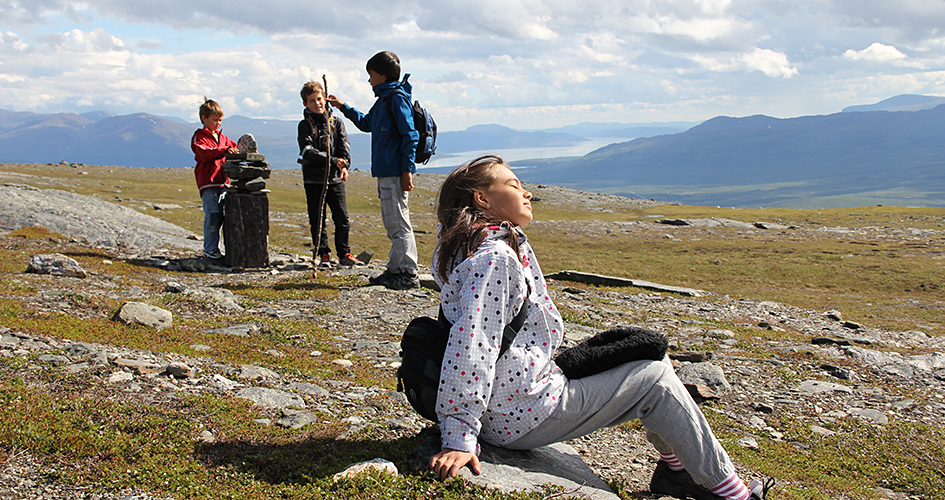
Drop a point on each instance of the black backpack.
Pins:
(423, 122)
(422, 351)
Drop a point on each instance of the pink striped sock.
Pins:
(732, 488)
(672, 461)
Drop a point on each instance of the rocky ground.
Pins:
(874, 376)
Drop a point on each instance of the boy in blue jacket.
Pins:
(393, 148)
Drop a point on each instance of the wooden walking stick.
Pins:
(321, 202)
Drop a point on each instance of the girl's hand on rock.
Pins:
(447, 463)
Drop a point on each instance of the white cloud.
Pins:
(771, 63)
(876, 52)
(515, 60)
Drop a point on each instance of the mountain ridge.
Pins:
(883, 153)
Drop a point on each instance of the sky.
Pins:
(525, 64)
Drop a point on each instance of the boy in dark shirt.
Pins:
(318, 132)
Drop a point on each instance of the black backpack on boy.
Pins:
(422, 121)
(422, 351)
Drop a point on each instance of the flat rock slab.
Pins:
(600, 279)
(89, 219)
(508, 470)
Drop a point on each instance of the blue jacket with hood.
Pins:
(392, 153)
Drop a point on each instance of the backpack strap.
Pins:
(390, 111)
(511, 329)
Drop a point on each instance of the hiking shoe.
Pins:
(678, 484)
(383, 279)
(325, 261)
(349, 261)
(215, 255)
(404, 281)
(759, 490)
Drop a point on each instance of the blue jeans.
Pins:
(212, 199)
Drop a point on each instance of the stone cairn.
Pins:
(247, 169)
(246, 207)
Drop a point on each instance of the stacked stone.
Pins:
(247, 169)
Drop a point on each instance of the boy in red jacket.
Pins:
(210, 146)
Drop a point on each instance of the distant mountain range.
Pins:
(144, 140)
(854, 158)
(888, 153)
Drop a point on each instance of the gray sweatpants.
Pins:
(395, 214)
(645, 390)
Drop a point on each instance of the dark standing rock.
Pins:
(246, 230)
(365, 256)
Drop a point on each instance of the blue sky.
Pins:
(526, 64)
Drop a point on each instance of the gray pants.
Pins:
(396, 217)
(645, 390)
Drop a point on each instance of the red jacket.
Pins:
(209, 153)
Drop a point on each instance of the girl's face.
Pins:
(506, 199)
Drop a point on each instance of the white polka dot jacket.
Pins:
(482, 396)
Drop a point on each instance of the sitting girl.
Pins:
(520, 400)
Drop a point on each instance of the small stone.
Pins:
(295, 419)
(748, 442)
(757, 422)
(139, 367)
(55, 264)
(179, 370)
(138, 313)
(271, 398)
(253, 372)
(344, 363)
(811, 387)
(764, 408)
(816, 429)
(206, 437)
(720, 333)
(246, 143)
(870, 415)
(706, 374)
(53, 359)
(691, 356)
(377, 464)
(701, 391)
(120, 377)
